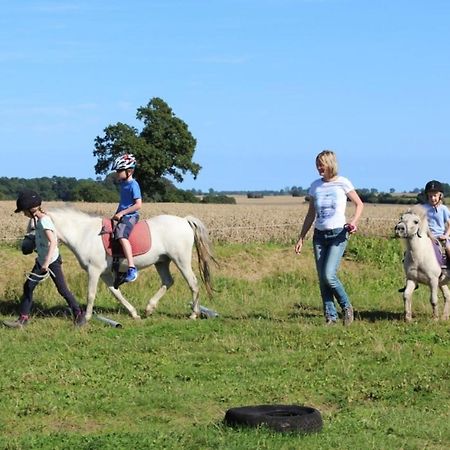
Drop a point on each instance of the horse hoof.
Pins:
(137, 317)
(193, 316)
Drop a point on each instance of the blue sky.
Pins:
(263, 85)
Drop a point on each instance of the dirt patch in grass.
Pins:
(258, 262)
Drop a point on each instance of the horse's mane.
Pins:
(420, 211)
(66, 210)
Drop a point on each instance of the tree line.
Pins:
(106, 190)
(86, 190)
(61, 188)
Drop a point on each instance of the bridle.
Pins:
(408, 235)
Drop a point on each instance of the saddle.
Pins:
(440, 254)
(140, 239)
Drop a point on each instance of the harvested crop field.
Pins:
(274, 218)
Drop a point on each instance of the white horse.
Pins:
(420, 262)
(172, 240)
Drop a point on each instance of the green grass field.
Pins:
(166, 382)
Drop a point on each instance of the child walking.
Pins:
(127, 212)
(48, 260)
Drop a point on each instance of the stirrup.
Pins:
(119, 279)
(118, 276)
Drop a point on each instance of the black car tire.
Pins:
(283, 418)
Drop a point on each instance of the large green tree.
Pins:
(164, 147)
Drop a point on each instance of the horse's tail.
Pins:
(204, 251)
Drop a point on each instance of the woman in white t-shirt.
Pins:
(328, 200)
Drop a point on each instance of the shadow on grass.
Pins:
(300, 311)
(11, 307)
(170, 315)
(308, 311)
(375, 316)
(305, 311)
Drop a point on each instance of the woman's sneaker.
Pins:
(348, 316)
(131, 275)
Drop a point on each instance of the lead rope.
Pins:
(38, 278)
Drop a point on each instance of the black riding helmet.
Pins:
(27, 199)
(433, 185)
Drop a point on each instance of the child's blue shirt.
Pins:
(438, 217)
(129, 192)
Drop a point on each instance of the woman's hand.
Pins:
(298, 246)
(351, 228)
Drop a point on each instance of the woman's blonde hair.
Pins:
(328, 159)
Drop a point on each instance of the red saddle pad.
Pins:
(140, 239)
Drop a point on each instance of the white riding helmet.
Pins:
(123, 162)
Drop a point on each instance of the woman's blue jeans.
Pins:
(329, 246)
